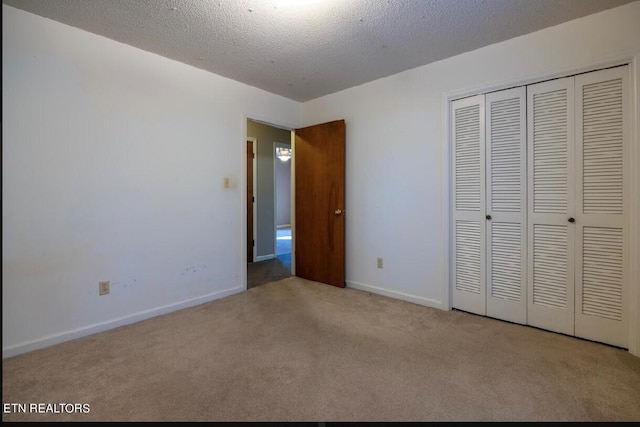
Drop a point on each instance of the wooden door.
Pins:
(250, 201)
(319, 156)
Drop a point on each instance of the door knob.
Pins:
(572, 220)
(338, 212)
(488, 216)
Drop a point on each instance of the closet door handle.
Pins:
(488, 216)
(572, 220)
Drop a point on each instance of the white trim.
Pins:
(264, 257)
(243, 208)
(447, 203)
(270, 122)
(255, 198)
(634, 210)
(427, 302)
(25, 347)
(631, 58)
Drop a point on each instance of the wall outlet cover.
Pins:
(104, 288)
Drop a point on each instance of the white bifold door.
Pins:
(577, 132)
(551, 205)
(601, 227)
(469, 260)
(540, 220)
(506, 209)
(489, 163)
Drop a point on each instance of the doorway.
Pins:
(271, 204)
(317, 182)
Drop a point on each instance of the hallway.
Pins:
(259, 273)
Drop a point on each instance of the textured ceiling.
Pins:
(306, 51)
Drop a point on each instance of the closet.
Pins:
(539, 216)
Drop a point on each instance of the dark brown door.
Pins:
(319, 207)
(250, 201)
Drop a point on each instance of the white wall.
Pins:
(113, 162)
(397, 148)
(112, 169)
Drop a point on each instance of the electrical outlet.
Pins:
(104, 288)
(380, 262)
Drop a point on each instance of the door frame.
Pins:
(254, 226)
(632, 59)
(243, 156)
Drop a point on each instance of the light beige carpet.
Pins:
(295, 350)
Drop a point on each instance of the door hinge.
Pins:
(253, 243)
(253, 199)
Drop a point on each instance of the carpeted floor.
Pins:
(295, 350)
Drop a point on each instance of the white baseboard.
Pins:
(264, 257)
(25, 347)
(427, 302)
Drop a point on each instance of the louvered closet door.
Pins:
(469, 289)
(601, 135)
(550, 239)
(506, 224)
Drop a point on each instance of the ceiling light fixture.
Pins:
(283, 153)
